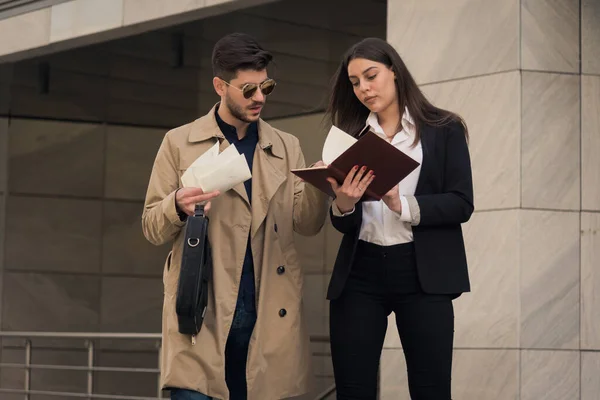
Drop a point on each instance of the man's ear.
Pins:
(219, 86)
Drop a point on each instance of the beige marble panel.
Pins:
(136, 11)
(491, 108)
(590, 37)
(590, 370)
(549, 280)
(33, 31)
(50, 302)
(550, 141)
(476, 374)
(315, 304)
(590, 142)
(441, 42)
(84, 17)
(550, 35)
(60, 158)
(489, 315)
(210, 3)
(393, 382)
(549, 375)
(49, 234)
(130, 154)
(125, 250)
(590, 281)
(131, 304)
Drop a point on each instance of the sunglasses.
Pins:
(249, 89)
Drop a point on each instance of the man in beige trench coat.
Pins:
(253, 343)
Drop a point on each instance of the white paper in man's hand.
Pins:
(225, 177)
(217, 171)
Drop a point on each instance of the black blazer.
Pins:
(445, 196)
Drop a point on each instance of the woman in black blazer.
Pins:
(405, 253)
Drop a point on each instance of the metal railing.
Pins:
(91, 367)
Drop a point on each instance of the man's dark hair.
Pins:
(238, 51)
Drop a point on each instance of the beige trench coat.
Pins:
(279, 359)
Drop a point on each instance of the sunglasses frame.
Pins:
(249, 89)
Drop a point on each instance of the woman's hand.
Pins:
(392, 200)
(353, 188)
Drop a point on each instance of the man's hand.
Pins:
(319, 164)
(353, 188)
(187, 198)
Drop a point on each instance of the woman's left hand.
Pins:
(392, 200)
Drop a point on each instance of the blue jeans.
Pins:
(236, 356)
(183, 394)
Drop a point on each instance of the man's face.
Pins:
(247, 110)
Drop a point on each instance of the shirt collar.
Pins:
(230, 131)
(408, 126)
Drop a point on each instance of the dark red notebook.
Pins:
(389, 165)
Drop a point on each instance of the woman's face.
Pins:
(373, 83)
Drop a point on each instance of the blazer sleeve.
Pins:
(310, 204)
(348, 223)
(455, 204)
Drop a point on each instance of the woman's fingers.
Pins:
(334, 185)
(350, 176)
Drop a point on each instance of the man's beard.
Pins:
(237, 111)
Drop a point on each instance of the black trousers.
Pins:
(382, 280)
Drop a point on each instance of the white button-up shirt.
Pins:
(380, 225)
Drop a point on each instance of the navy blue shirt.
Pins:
(245, 146)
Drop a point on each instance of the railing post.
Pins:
(27, 368)
(90, 372)
(159, 392)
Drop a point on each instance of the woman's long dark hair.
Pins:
(349, 114)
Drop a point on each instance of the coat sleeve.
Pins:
(310, 204)
(160, 221)
(455, 204)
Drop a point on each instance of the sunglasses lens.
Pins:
(249, 90)
(267, 87)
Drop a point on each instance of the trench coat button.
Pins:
(280, 270)
(275, 227)
(282, 312)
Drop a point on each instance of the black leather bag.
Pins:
(195, 275)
